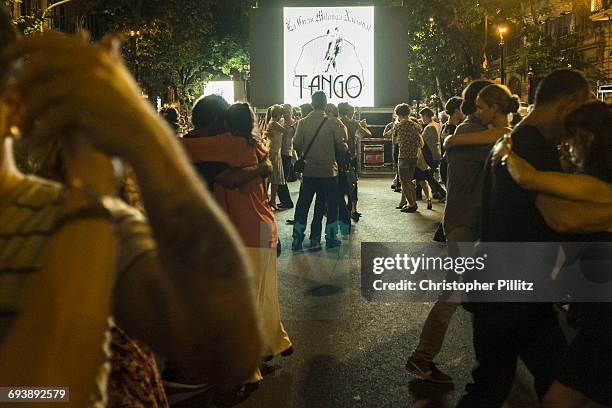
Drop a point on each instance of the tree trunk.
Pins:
(441, 93)
(485, 36)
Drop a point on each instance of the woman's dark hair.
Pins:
(516, 119)
(595, 118)
(453, 104)
(470, 93)
(276, 111)
(207, 114)
(403, 109)
(332, 109)
(427, 112)
(305, 109)
(240, 120)
(171, 116)
(344, 108)
(501, 96)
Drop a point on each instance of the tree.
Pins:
(180, 43)
(28, 23)
(449, 41)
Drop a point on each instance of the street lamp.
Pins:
(134, 36)
(51, 7)
(502, 30)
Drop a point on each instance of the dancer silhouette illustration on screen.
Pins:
(334, 47)
(329, 53)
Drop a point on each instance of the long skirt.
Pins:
(275, 338)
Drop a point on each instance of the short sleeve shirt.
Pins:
(432, 142)
(408, 136)
(464, 180)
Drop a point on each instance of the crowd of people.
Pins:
(292, 136)
(517, 191)
(115, 231)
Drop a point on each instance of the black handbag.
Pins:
(300, 164)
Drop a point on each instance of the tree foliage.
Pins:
(28, 23)
(180, 44)
(448, 42)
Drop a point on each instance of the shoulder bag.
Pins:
(300, 164)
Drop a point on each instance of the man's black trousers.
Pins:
(325, 187)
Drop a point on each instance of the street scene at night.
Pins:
(304, 204)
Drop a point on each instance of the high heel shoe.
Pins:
(429, 206)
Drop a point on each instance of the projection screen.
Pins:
(329, 49)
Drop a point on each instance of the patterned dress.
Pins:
(134, 378)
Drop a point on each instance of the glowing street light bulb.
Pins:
(502, 29)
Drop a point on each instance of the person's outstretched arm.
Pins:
(193, 303)
(277, 127)
(580, 187)
(362, 126)
(388, 131)
(580, 217)
(235, 176)
(485, 137)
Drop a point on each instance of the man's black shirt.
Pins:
(509, 213)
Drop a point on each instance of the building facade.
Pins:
(585, 23)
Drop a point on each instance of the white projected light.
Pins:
(221, 88)
(329, 49)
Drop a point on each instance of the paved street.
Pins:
(350, 352)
